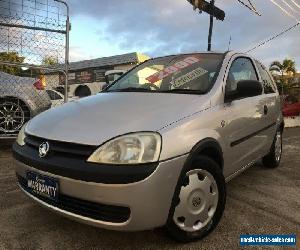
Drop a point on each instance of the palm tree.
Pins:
(287, 67)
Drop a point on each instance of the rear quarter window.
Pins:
(268, 83)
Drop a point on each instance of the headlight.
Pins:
(134, 148)
(21, 136)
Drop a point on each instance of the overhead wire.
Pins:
(274, 37)
(290, 7)
(280, 33)
(296, 4)
(285, 11)
(250, 6)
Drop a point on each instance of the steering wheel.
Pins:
(152, 85)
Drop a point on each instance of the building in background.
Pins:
(88, 77)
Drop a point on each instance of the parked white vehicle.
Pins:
(87, 89)
(82, 90)
(57, 98)
(113, 75)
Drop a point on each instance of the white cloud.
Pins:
(78, 54)
(163, 27)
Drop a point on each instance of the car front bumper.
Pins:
(148, 200)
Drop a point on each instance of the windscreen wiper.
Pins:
(130, 89)
(186, 91)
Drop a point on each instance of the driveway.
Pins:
(260, 201)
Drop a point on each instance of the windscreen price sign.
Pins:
(178, 66)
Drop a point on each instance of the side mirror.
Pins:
(245, 88)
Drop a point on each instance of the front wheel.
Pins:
(199, 201)
(272, 160)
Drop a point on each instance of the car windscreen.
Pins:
(53, 95)
(193, 73)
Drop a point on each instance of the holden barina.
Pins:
(156, 147)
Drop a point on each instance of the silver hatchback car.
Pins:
(157, 147)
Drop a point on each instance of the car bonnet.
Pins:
(94, 120)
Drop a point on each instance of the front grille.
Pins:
(96, 211)
(58, 147)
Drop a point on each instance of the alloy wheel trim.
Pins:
(12, 117)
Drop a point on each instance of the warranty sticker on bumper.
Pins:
(42, 185)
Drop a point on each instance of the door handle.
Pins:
(266, 110)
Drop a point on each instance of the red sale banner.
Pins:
(173, 69)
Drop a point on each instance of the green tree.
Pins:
(287, 67)
(284, 69)
(12, 57)
(50, 61)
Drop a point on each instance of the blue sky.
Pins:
(104, 28)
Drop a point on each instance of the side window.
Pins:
(266, 78)
(241, 69)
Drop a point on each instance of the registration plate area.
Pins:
(42, 185)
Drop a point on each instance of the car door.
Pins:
(242, 119)
(272, 106)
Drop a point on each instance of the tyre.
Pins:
(272, 160)
(198, 202)
(13, 115)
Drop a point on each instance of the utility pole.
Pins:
(67, 48)
(212, 10)
(211, 26)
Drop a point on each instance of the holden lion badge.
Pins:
(44, 149)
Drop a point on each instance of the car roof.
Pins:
(6, 78)
(187, 54)
(224, 53)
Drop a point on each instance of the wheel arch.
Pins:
(203, 148)
(209, 147)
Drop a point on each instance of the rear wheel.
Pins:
(13, 115)
(272, 160)
(198, 202)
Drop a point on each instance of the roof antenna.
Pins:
(229, 43)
